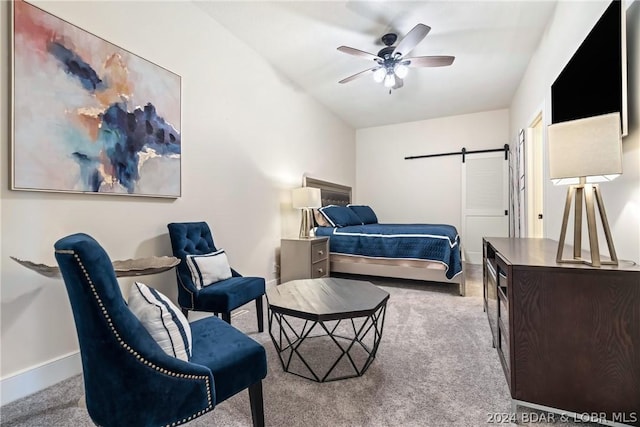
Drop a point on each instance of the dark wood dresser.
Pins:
(567, 335)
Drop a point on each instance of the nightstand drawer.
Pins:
(304, 258)
(319, 251)
(319, 269)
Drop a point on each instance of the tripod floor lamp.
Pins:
(582, 153)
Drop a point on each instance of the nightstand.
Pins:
(304, 258)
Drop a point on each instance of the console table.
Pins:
(122, 268)
(567, 335)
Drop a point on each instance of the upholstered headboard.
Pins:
(331, 194)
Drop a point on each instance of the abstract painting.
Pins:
(89, 116)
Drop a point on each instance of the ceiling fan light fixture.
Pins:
(391, 64)
(379, 75)
(389, 80)
(401, 70)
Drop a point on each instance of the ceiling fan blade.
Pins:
(430, 61)
(355, 76)
(358, 52)
(412, 39)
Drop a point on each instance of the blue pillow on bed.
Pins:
(340, 216)
(365, 213)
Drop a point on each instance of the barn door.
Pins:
(485, 199)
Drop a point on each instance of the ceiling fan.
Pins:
(392, 63)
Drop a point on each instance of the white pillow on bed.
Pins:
(321, 221)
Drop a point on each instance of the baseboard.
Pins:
(40, 377)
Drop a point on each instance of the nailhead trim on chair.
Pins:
(193, 305)
(136, 354)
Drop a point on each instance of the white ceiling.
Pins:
(492, 41)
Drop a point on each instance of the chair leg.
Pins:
(257, 407)
(260, 314)
(227, 317)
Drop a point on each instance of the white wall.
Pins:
(570, 24)
(248, 136)
(422, 190)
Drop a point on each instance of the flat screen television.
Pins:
(594, 81)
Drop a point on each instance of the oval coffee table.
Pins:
(329, 325)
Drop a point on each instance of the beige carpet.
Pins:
(435, 367)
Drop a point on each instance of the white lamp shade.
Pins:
(306, 197)
(590, 148)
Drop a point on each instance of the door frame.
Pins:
(534, 176)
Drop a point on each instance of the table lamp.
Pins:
(581, 153)
(306, 198)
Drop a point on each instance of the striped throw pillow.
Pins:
(162, 319)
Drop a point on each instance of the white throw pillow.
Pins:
(208, 269)
(162, 319)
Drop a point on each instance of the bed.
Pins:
(428, 252)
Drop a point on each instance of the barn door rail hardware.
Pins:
(464, 152)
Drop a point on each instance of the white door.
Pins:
(485, 200)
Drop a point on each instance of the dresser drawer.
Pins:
(319, 251)
(319, 269)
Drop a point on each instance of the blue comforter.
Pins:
(433, 242)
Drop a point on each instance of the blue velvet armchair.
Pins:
(129, 380)
(195, 238)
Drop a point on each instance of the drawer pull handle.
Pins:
(320, 270)
(320, 252)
